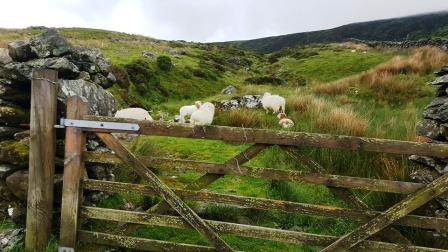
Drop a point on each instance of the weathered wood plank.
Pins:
(41, 159)
(264, 233)
(266, 173)
(396, 212)
(164, 191)
(73, 172)
(268, 204)
(389, 234)
(264, 136)
(139, 243)
(208, 178)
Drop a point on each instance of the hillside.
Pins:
(433, 25)
(336, 88)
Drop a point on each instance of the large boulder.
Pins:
(229, 90)
(101, 101)
(4, 56)
(431, 129)
(50, 43)
(18, 184)
(91, 60)
(20, 50)
(65, 68)
(247, 101)
(21, 71)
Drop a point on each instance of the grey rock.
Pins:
(101, 102)
(101, 172)
(437, 110)
(442, 91)
(234, 60)
(18, 94)
(49, 43)
(148, 54)
(10, 238)
(8, 132)
(247, 101)
(17, 72)
(91, 60)
(172, 51)
(6, 170)
(229, 90)
(22, 135)
(442, 80)
(21, 71)
(111, 79)
(18, 184)
(429, 128)
(84, 76)
(4, 56)
(13, 115)
(20, 51)
(438, 165)
(442, 71)
(65, 68)
(92, 144)
(101, 80)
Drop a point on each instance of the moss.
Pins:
(14, 152)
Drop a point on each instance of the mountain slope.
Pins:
(397, 29)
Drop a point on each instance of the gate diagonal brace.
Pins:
(132, 127)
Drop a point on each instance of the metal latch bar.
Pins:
(97, 125)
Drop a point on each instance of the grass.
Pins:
(328, 88)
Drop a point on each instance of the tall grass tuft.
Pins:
(239, 118)
(343, 121)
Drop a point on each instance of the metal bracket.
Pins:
(98, 125)
(65, 249)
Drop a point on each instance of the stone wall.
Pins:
(440, 43)
(434, 128)
(82, 71)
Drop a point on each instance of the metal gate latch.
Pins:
(97, 125)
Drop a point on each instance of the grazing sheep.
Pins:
(204, 115)
(285, 122)
(188, 110)
(274, 102)
(133, 113)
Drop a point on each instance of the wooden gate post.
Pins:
(75, 140)
(41, 158)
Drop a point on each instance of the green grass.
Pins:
(331, 65)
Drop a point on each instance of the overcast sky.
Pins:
(207, 20)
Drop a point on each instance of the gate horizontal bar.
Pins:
(269, 204)
(264, 233)
(280, 137)
(379, 185)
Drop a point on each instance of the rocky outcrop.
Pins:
(247, 101)
(434, 127)
(440, 43)
(81, 71)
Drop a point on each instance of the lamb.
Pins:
(133, 113)
(204, 115)
(285, 122)
(274, 102)
(188, 110)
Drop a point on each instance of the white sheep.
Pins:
(133, 113)
(204, 115)
(274, 102)
(284, 121)
(188, 110)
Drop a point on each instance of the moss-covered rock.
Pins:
(14, 152)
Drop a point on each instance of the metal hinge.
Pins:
(97, 125)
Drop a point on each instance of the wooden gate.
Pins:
(371, 222)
